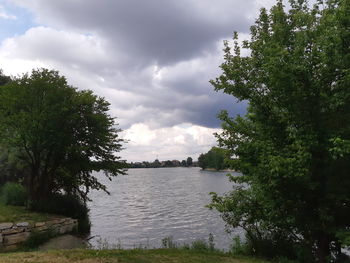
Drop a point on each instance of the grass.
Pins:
(125, 256)
(21, 214)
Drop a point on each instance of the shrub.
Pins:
(211, 242)
(67, 205)
(238, 247)
(202, 245)
(199, 245)
(168, 242)
(271, 245)
(14, 194)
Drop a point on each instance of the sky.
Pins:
(152, 60)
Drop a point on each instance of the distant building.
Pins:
(176, 163)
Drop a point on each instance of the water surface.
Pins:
(148, 205)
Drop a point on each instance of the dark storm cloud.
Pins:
(152, 31)
(124, 43)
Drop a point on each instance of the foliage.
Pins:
(13, 194)
(66, 205)
(158, 164)
(61, 133)
(238, 247)
(11, 169)
(4, 79)
(199, 245)
(211, 243)
(168, 242)
(189, 161)
(215, 159)
(293, 144)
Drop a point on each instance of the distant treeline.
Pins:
(157, 164)
(216, 159)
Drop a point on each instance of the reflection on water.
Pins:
(148, 205)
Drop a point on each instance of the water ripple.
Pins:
(149, 204)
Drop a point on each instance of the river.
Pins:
(147, 205)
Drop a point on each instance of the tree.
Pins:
(156, 163)
(293, 145)
(189, 161)
(215, 158)
(62, 134)
(4, 79)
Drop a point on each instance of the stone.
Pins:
(12, 235)
(39, 224)
(66, 229)
(23, 224)
(53, 222)
(41, 228)
(13, 230)
(4, 226)
(16, 238)
(57, 221)
(68, 221)
(62, 220)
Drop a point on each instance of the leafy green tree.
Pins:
(169, 163)
(202, 161)
(189, 161)
(293, 145)
(10, 170)
(4, 79)
(62, 134)
(215, 158)
(156, 163)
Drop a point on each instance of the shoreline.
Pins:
(214, 170)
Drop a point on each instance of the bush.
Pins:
(14, 194)
(202, 245)
(67, 205)
(199, 245)
(238, 247)
(271, 245)
(168, 242)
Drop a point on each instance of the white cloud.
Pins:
(177, 142)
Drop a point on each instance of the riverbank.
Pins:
(13, 214)
(214, 170)
(21, 229)
(127, 256)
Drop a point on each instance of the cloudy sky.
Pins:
(151, 59)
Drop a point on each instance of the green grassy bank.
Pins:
(10, 213)
(126, 256)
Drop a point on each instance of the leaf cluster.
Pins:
(61, 133)
(293, 144)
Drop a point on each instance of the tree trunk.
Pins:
(323, 249)
(33, 189)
